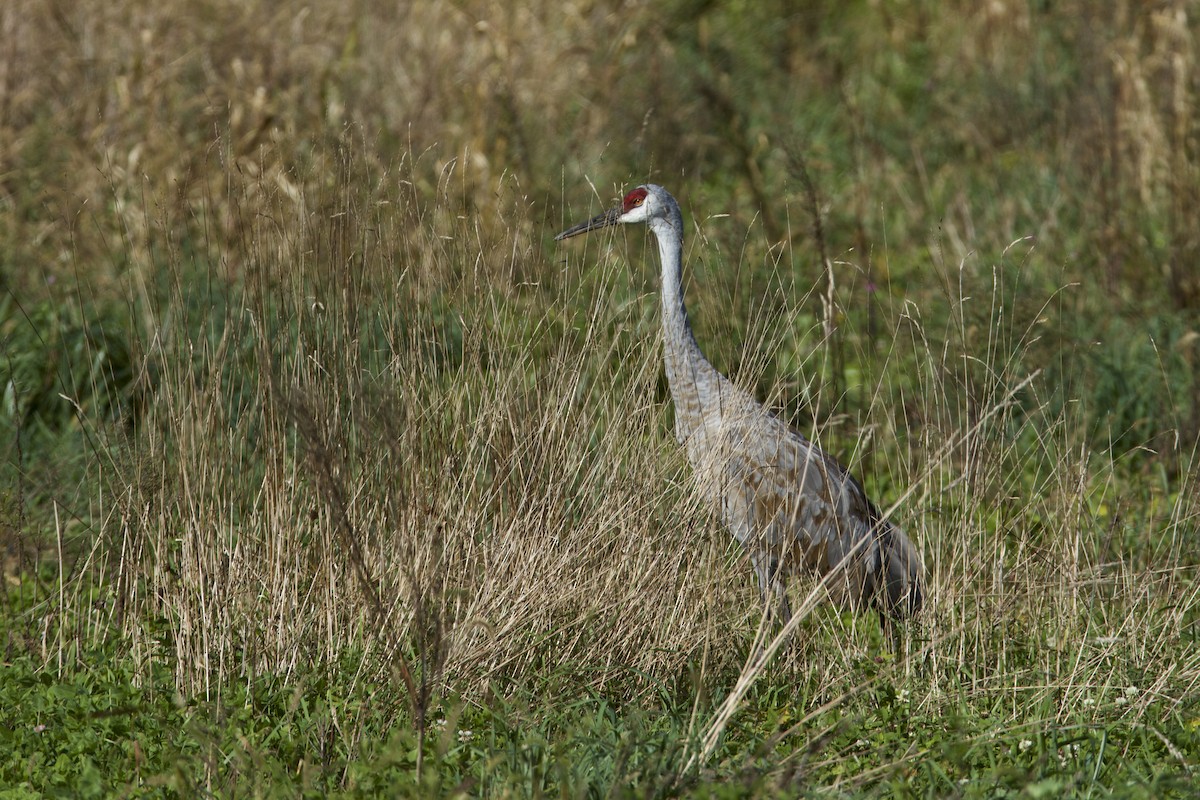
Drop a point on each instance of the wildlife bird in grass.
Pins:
(793, 507)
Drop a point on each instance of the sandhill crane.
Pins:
(793, 507)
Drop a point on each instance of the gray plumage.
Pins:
(793, 507)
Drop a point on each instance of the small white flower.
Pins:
(1132, 691)
(1025, 744)
(1088, 702)
(465, 735)
(1120, 701)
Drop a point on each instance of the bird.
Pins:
(795, 509)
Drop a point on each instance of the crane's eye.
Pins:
(634, 199)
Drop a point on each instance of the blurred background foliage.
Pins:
(934, 141)
(947, 125)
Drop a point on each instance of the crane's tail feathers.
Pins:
(899, 591)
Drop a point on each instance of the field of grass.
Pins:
(326, 472)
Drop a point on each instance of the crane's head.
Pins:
(647, 203)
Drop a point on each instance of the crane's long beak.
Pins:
(609, 217)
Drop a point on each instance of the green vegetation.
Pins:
(326, 473)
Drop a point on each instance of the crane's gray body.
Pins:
(794, 508)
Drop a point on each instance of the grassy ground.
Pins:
(327, 473)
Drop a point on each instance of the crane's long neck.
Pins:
(693, 380)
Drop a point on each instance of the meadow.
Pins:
(326, 472)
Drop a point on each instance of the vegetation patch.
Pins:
(326, 473)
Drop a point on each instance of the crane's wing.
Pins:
(797, 509)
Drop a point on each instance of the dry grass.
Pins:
(511, 471)
(485, 494)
